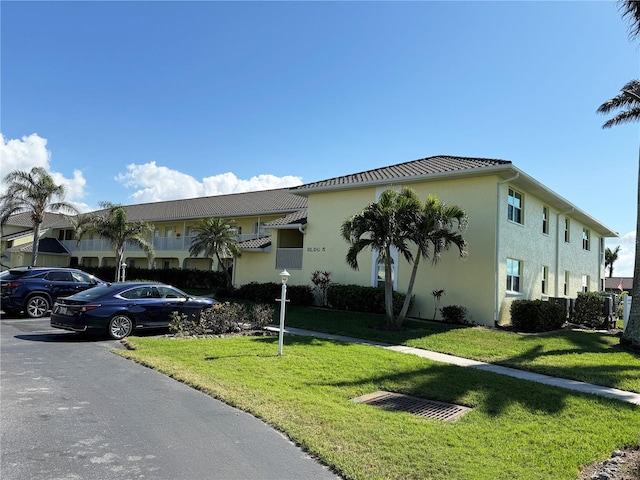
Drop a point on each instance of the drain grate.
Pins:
(417, 406)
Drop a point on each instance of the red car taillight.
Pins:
(11, 285)
(88, 308)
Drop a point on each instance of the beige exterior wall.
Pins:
(258, 267)
(534, 249)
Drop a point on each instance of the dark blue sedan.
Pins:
(118, 309)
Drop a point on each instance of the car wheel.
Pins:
(37, 306)
(120, 326)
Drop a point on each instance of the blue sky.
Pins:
(132, 102)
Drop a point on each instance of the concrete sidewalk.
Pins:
(623, 396)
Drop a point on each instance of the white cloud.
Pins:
(623, 266)
(31, 151)
(154, 183)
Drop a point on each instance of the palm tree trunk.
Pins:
(119, 258)
(226, 272)
(631, 334)
(407, 299)
(35, 245)
(388, 286)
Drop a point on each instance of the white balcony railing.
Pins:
(160, 244)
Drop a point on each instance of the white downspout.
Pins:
(496, 308)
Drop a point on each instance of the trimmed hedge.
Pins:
(588, 310)
(536, 316)
(301, 295)
(180, 278)
(361, 299)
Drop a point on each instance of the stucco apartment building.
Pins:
(524, 240)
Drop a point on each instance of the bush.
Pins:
(361, 299)
(301, 295)
(588, 310)
(181, 278)
(222, 318)
(455, 314)
(536, 316)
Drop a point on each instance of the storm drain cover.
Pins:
(417, 406)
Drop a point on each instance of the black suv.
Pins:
(35, 289)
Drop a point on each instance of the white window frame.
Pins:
(515, 213)
(567, 230)
(545, 279)
(586, 239)
(514, 277)
(394, 269)
(545, 220)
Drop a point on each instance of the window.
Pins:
(566, 282)
(381, 273)
(545, 220)
(585, 283)
(515, 206)
(567, 226)
(586, 236)
(513, 275)
(545, 278)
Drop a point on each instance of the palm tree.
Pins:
(631, 12)
(114, 226)
(439, 227)
(627, 103)
(34, 192)
(381, 226)
(610, 256)
(216, 237)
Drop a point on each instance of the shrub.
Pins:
(588, 310)
(222, 318)
(536, 316)
(361, 299)
(301, 295)
(321, 280)
(455, 314)
(178, 277)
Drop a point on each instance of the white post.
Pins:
(123, 270)
(284, 275)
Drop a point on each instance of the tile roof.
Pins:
(47, 245)
(612, 283)
(295, 218)
(409, 170)
(50, 220)
(238, 204)
(255, 243)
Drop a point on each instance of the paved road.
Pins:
(70, 409)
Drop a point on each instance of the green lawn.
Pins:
(516, 430)
(585, 356)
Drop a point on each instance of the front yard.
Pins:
(517, 429)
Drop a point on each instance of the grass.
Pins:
(516, 430)
(586, 356)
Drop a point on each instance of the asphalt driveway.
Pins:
(71, 409)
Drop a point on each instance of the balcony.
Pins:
(160, 244)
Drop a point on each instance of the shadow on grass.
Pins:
(490, 392)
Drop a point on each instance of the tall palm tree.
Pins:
(610, 257)
(216, 237)
(439, 227)
(114, 225)
(381, 226)
(627, 103)
(34, 192)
